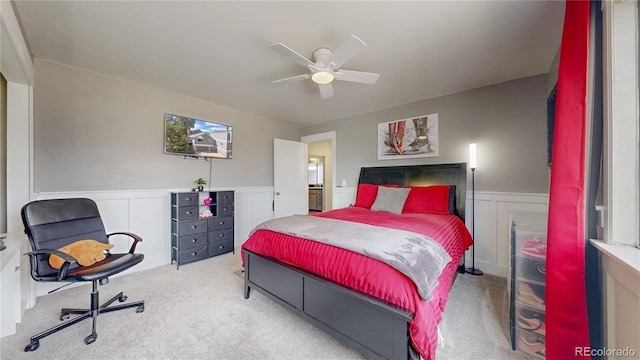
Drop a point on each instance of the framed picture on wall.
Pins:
(412, 137)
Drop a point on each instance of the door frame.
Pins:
(331, 136)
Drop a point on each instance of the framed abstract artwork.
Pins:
(412, 137)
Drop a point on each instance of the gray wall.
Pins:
(94, 132)
(552, 76)
(507, 121)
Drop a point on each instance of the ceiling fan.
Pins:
(327, 64)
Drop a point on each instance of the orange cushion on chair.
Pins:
(87, 252)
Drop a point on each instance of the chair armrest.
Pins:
(136, 239)
(68, 260)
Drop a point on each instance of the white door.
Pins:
(290, 178)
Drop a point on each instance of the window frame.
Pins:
(621, 182)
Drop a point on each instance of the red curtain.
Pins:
(566, 304)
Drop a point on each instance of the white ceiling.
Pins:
(218, 51)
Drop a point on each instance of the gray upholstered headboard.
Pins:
(421, 175)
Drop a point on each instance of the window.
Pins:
(621, 154)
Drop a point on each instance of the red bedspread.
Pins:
(371, 276)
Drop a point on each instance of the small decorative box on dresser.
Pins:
(201, 225)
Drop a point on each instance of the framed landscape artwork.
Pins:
(413, 137)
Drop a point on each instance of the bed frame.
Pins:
(366, 324)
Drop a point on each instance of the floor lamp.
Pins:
(473, 163)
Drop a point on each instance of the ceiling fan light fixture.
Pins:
(322, 77)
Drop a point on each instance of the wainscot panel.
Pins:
(147, 213)
(492, 226)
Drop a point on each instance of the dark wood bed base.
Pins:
(375, 329)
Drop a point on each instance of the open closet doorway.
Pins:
(322, 145)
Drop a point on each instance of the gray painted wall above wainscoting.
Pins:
(507, 121)
(94, 132)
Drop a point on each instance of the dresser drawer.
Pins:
(184, 213)
(225, 197)
(225, 209)
(220, 248)
(190, 227)
(220, 222)
(219, 236)
(190, 241)
(186, 199)
(195, 254)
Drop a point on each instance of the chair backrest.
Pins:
(52, 224)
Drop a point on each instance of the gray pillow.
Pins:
(390, 199)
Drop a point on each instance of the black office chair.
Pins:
(52, 224)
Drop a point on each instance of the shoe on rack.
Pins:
(533, 242)
(542, 269)
(535, 250)
(529, 296)
(533, 269)
(531, 342)
(530, 320)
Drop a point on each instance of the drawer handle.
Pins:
(193, 226)
(194, 240)
(221, 222)
(194, 253)
(188, 212)
(226, 197)
(221, 235)
(221, 246)
(225, 209)
(187, 199)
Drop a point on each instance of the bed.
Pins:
(366, 304)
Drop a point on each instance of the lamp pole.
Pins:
(473, 164)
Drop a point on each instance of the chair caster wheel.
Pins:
(32, 346)
(140, 309)
(64, 316)
(90, 339)
(123, 298)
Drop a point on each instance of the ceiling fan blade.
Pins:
(348, 49)
(326, 91)
(291, 79)
(291, 54)
(357, 76)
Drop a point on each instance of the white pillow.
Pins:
(390, 199)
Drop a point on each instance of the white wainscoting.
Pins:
(492, 227)
(147, 213)
(620, 271)
(343, 197)
(622, 306)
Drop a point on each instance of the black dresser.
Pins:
(196, 236)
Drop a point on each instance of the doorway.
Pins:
(324, 144)
(316, 182)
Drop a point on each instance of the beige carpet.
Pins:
(198, 312)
